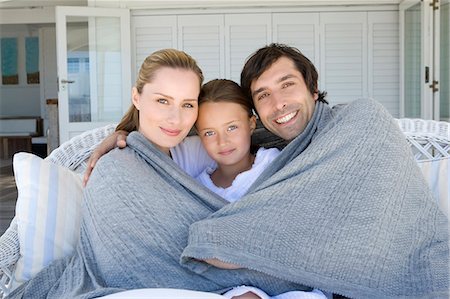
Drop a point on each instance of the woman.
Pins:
(139, 204)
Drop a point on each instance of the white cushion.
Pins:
(437, 174)
(162, 293)
(48, 212)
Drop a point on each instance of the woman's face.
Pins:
(168, 106)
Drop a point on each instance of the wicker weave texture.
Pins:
(9, 254)
(72, 154)
(429, 139)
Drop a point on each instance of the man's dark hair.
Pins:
(262, 59)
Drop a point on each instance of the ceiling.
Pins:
(14, 4)
(30, 3)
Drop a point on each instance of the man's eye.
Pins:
(208, 133)
(232, 128)
(262, 96)
(162, 101)
(287, 84)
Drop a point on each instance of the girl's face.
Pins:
(225, 130)
(168, 106)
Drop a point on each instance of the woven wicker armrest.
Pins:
(75, 152)
(429, 139)
(72, 154)
(9, 254)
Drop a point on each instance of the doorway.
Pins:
(425, 64)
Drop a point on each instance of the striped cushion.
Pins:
(48, 212)
(437, 174)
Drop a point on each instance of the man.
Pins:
(331, 211)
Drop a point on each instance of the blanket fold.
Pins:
(344, 208)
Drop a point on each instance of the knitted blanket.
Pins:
(344, 208)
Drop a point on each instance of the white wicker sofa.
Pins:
(429, 140)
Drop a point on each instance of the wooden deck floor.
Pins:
(8, 195)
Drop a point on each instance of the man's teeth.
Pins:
(285, 118)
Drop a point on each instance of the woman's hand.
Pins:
(222, 265)
(118, 138)
(248, 295)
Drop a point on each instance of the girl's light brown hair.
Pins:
(170, 58)
(223, 90)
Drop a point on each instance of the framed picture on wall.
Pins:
(10, 74)
(32, 59)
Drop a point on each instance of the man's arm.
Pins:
(116, 139)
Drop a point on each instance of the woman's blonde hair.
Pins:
(171, 58)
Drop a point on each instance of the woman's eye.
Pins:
(188, 105)
(232, 128)
(162, 101)
(208, 133)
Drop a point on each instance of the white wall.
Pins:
(22, 99)
(19, 101)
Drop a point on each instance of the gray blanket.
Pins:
(344, 208)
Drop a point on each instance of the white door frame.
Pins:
(429, 70)
(67, 129)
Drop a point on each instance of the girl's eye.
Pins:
(162, 101)
(208, 133)
(231, 128)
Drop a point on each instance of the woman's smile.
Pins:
(170, 132)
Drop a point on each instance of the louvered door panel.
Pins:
(384, 61)
(300, 30)
(201, 36)
(344, 56)
(150, 34)
(244, 34)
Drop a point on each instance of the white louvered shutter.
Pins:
(344, 56)
(384, 60)
(151, 33)
(300, 30)
(244, 34)
(201, 36)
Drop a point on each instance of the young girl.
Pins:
(225, 125)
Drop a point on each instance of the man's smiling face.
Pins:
(282, 99)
